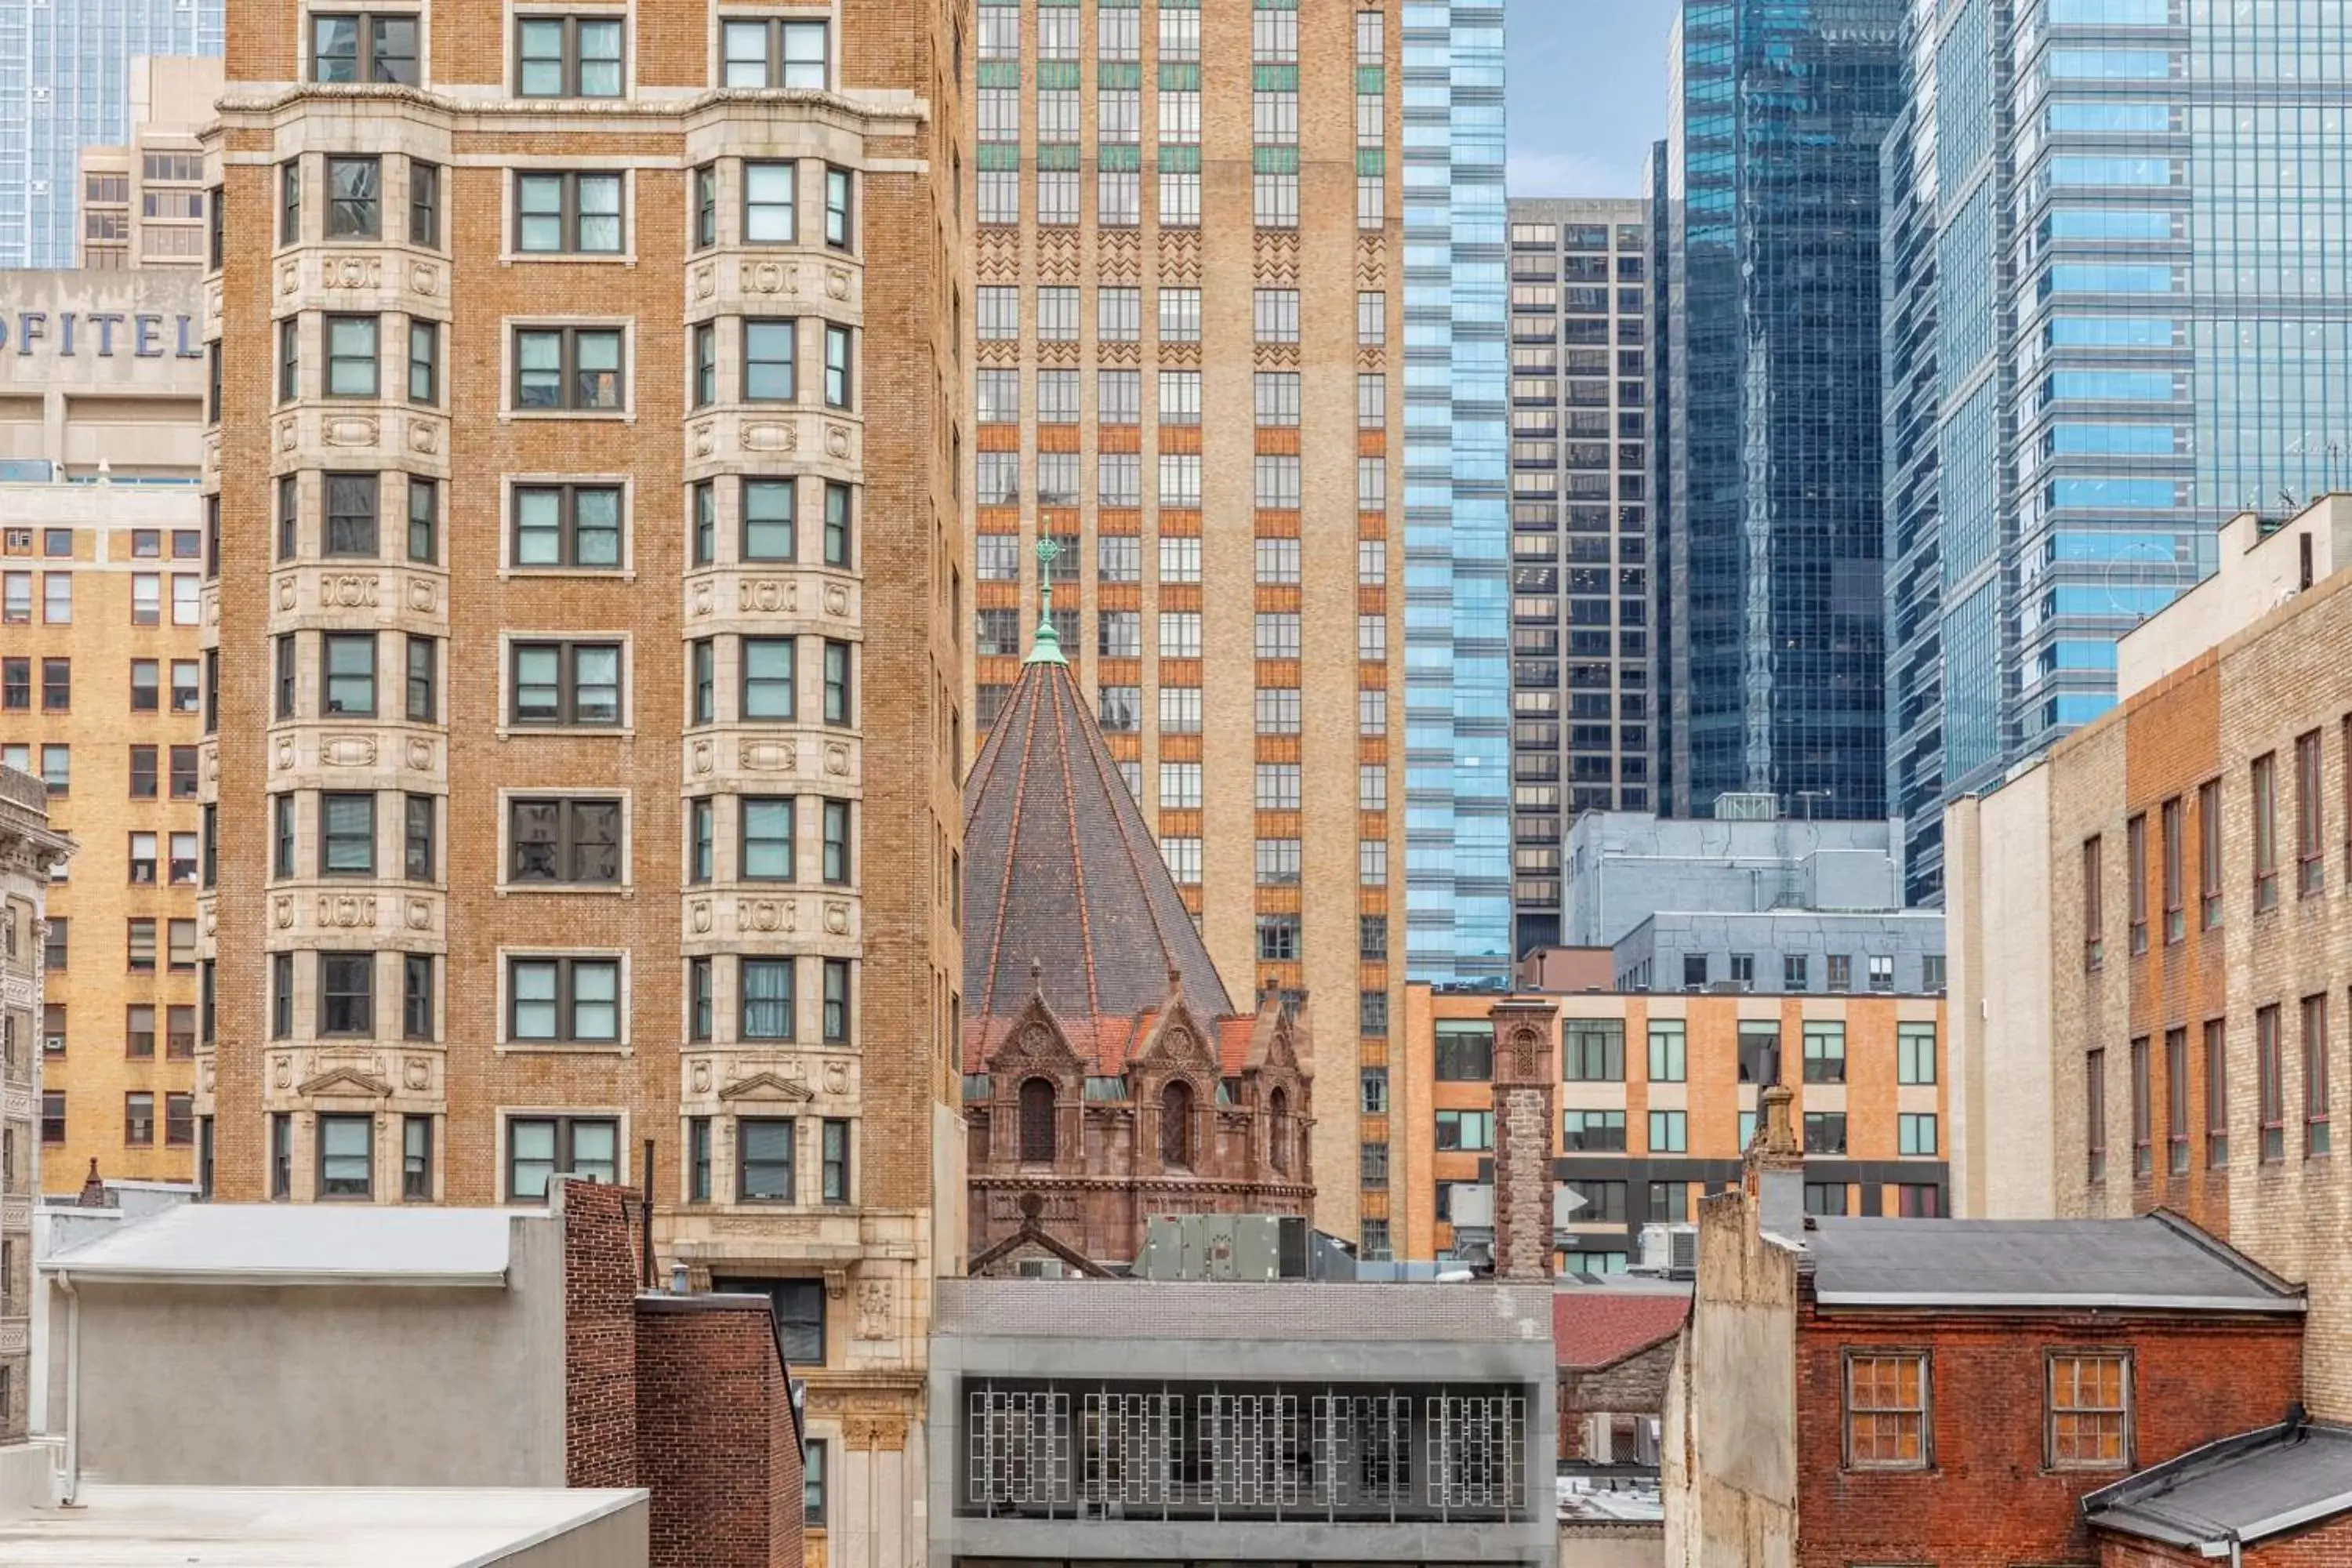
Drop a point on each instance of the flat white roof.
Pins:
(301, 1243)
(283, 1527)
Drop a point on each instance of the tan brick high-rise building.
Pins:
(2151, 926)
(583, 716)
(142, 203)
(101, 562)
(1190, 375)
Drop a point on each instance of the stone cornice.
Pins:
(248, 108)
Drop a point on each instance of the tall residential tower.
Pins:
(1768, 537)
(2135, 308)
(1193, 309)
(582, 658)
(1579, 533)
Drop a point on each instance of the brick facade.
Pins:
(1988, 1498)
(601, 1349)
(716, 1440)
(2325, 1545)
(854, 1061)
(2200, 727)
(1525, 1067)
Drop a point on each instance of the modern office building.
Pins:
(65, 84)
(2149, 934)
(1769, 536)
(142, 203)
(1580, 606)
(1186, 212)
(2138, 328)
(584, 660)
(31, 850)
(1657, 1100)
(101, 556)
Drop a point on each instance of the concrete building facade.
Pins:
(30, 852)
(143, 202)
(1580, 648)
(1112, 1419)
(1658, 1100)
(584, 702)
(2186, 1010)
(101, 559)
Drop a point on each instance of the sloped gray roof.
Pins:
(2241, 1488)
(2155, 1262)
(301, 1244)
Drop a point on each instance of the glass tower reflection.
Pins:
(2140, 290)
(65, 84)
(1456, 509)
(1772, 671)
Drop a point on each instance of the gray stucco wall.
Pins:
(227, 1384)
(619, 1540)
(1623, 867)
(1909, 936)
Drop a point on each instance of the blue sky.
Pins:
(1589, 139)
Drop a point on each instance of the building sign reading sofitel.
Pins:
(102, 334)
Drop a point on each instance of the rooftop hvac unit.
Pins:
(1041, 1269)
(1671, 1250)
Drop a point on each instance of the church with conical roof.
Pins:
(1107, 1075)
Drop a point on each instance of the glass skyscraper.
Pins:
(1456, 509)
(65, 84)
(2140, 326)
(1770, 533)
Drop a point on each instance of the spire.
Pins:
(1047, 648)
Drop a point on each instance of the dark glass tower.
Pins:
(1772, 534)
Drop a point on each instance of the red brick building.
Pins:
(1880, 1391)
(1106, 1074)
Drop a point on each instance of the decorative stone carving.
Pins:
(698, 916)
(769, 278)
(771, 435)
(349, 591)
(836, 282)
(347, 751)
(837, 1078)
(768, 594)
(285, 752)
(836, 441)
(281, 912)
(423, 435)
(422, 595)
(699, 599)
(705, 439)
(420, 754)
(699, 757)
(289, 275)
(425, 276)
(351, 430)
(420, 914)
(210, 917)
(837, 759)
(289, 434)
(700, 1078)
(836, 599)
(767, 915)
(703, 280)
(285, 593)
(281, 1070)
(875, 1317)
(351, 272)
(416, 1072)
(836, 919)
(767, 757)
(346, 912)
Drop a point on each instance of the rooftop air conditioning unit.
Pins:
(1671, 1250)
(1041, 1269)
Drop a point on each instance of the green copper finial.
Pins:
(1047, 648)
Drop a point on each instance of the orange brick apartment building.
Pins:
(1658, 1099)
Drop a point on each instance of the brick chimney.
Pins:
(1526, 1052)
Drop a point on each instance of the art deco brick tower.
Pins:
(584, 671)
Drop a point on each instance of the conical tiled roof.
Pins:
(1060, 872)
